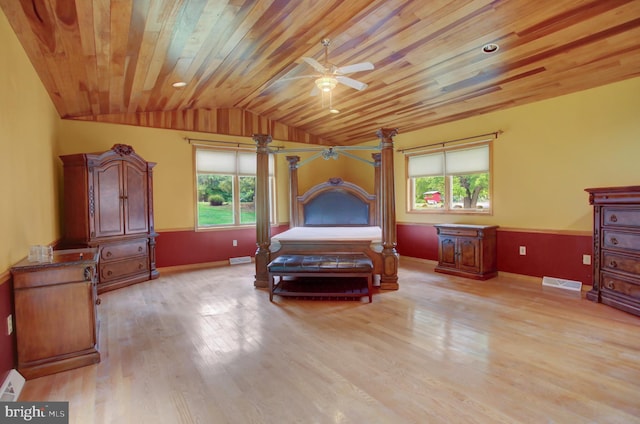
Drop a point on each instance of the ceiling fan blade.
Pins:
(356, 67)
(315, 64)
(351, 82)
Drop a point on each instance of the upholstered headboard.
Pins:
(336, 203)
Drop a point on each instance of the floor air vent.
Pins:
(240, 260)
(561, 283)
(11, 387)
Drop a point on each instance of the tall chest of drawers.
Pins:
(616, 247)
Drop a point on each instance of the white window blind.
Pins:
(468, 161)
(450, 162)
(228, 162)
(426, 165)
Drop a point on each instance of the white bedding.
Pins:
(373, 234)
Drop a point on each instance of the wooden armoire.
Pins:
(108, 204)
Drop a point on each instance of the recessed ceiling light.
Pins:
(490, 48)
(179, 84)
(334, 110)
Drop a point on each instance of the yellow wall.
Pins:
(28, 124)
(549, 153)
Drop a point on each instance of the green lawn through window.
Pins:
(223, 215)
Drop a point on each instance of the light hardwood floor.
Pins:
(205, 346)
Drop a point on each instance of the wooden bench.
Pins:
(321, 275)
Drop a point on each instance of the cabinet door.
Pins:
(54, 321)
(469, 249)
(448, 252)
(135, 201)
(108, 200)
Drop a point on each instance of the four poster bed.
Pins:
(332, 218)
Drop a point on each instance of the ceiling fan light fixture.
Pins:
(179, 84)
(326, 84)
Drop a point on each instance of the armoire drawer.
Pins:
(118, 251)
(114, 270)
(613, 261)
(629, 288)
(620, 217)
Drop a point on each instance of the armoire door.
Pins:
(108, 198)
(136, 216)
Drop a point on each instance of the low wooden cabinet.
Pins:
(55, 312)
(616, 247)
(467, 250)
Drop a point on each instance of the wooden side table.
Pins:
(55, 308)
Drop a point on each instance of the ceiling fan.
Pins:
(329, 75)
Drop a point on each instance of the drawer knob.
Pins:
(613, 218)
(139, 248)
(108, 255)
(614, 241)
(610, 285)
(109, 273)
(613, 264)
(140, 266)
(87, 274)
(98, 301)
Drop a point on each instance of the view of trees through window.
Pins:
(451, 178)
(226, 186)
(467, 192)
(216, 204)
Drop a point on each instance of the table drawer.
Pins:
(620, 217)
(463, 232)
(613, 261)
(612, 239)
(613, 283)
(117, 251)
(53, 275)
(118, 269)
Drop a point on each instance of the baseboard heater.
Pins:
(240, 260)
(562, 283)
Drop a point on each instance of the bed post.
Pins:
(376, 177)
(263, 222)
(389, 277)
(293, 190)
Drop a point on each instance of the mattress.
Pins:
(372, 234)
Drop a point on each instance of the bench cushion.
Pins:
(344, 262)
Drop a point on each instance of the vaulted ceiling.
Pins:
(116, 60)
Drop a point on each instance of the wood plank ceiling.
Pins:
(115, 61)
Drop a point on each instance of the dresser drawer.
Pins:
(118, 251)
(620, 217)
(613, 261)
(53, 275)
(118, 269)
(612, 239)
(616, 284)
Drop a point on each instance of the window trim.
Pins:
(236, 187)
(410, 192)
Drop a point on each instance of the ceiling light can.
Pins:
(490, 48)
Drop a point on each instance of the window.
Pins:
(226, 184)
(454, 179)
